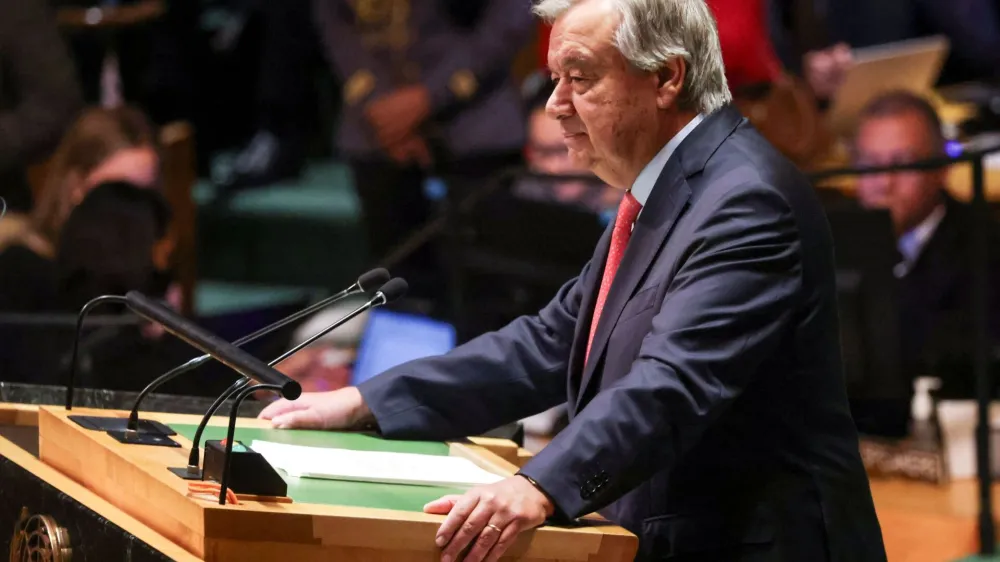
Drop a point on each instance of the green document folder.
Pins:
(338, 492)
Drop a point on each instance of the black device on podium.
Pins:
(249, 471)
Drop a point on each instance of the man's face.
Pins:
(604, 107)
(910, 196)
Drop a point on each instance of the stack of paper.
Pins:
(373, 466)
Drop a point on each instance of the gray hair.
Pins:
(652, 32)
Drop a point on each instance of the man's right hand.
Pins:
(338, 409)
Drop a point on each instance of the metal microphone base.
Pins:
(187, 472)
(139, 438)
(98, 423)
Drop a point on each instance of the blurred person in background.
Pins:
(546, 153)
(285, 105)
(39, 95)
(780, 105)
(815, 37)
(104, 146)
(150, 56)
(427, 91)
(933, 228)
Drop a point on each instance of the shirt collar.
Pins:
(911, 244)
(643, 185)
(915, 240)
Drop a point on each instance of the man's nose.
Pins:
(560, 105)
(879, 185)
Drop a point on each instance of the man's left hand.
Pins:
(396, 115)
(489, 518)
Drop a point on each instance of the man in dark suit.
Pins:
(934, 236)
(698, 351)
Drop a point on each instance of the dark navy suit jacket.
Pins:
(712, 419)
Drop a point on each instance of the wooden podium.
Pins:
(322, 520)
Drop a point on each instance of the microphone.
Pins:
(231, 356)
(393, 290)
(365, 283)
(228, 354)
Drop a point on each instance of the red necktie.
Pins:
(628, 210)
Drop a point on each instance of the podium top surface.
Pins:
(398, 497)
(326, 519)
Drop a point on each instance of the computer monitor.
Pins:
(867, 293)
(392, 338)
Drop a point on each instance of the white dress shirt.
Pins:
(643, 185)
(912, 243)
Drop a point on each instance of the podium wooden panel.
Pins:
(135, 479)
(96, 529)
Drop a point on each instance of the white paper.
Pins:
(374, 466)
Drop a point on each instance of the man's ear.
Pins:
(670, 82)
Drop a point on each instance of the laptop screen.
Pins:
(393, 338)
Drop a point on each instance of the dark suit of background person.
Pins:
(462, 53)
(935, 311)
(712, 418)
(39, 96)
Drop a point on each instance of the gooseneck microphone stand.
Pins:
(91, 305)
(365, 282)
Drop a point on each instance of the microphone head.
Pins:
(372, 279)
(393, 290)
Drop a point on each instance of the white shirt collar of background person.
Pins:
(643, 185)
(912, 243)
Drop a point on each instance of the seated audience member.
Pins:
(546, 153)
(114, 148)
(934, 229)
(98, 229)
(38, 93)
(816, 37)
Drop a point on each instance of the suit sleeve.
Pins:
(42, 75)
(725, 311)
(501, 31)
(363, 76)
(492, 380)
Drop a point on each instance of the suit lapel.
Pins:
(591, 287)
(668, 199)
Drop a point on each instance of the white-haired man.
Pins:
(699, 347)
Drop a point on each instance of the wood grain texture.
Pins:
(18, 414)
(507, 450)
(136, 480)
